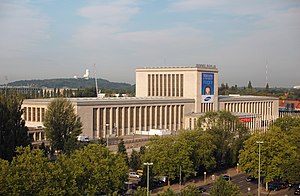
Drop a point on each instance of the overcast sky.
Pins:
(61, 38)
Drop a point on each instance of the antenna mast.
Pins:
(266, 71)
(97, 90)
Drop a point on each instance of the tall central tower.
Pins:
(199, 82)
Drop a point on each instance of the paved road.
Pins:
(240, 181)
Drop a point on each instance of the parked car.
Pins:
(133, 175)
(250, 179)
(226, 177)
(297, 192)
(283, 185)
(273, 186)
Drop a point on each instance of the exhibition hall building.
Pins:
(167, 99)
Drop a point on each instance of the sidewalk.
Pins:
(197, 181)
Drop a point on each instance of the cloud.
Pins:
(22, 28)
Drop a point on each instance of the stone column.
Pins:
(134, 118)
(140, 118)
(111, 121)
(98, 128)
(145, 118)
(117, 120)
(123, 121)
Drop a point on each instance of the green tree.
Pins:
(141, 191)
(122, 150)
(277, 155)
(224, 188)
(4, 167)
(168, 192)
(202, 146)
(168, 154)
(13, 131)
(228, 135)
(287, 123)
(30, 174)
(249, 85)
(190, 190)
(62, 125)
(135, 161)
(94, 170)
(267, 86)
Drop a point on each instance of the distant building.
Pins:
(289, 108)
(167, 98)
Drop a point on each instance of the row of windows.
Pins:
(263, 108)
(170, 85)
(125, 120)
(34, 114)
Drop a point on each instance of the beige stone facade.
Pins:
(167, 98)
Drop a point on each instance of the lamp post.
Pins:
(237, 168)
(107, 125)
(204, 177)
(258, 189)
(180, 178)
(148, 164)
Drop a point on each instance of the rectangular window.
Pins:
(156, 85)
(177, 85)
(29, 113)
(137, 117)
(25, 113)
(153, 86)
(149, 86)
(165, 85)
(33, 114)
(160, 85)
(94, 122)
(181, 85)
(43, 114)
(169, 85)
(173, 85)
(101, 122)
(38, 114)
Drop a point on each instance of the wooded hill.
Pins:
(80, 83)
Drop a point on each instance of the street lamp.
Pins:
(204, 177)
(237, 168)
(107, 125)
(258, 190)
(180, 178)
(148, 164)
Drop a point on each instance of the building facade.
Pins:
(167, 98)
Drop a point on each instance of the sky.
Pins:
(62, 38)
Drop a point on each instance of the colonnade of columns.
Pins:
(264, 108)
(120, 121)
(34, 114)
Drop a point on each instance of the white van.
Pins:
(82, 138)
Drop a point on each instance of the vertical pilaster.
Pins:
(98, 128)
(104, 123)
(123, 121)
(117, 120)
(111, 124)
(134, 118)
(150, 117)
(161, 117)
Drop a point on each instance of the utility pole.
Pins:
(258, 188)
(148, 164)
